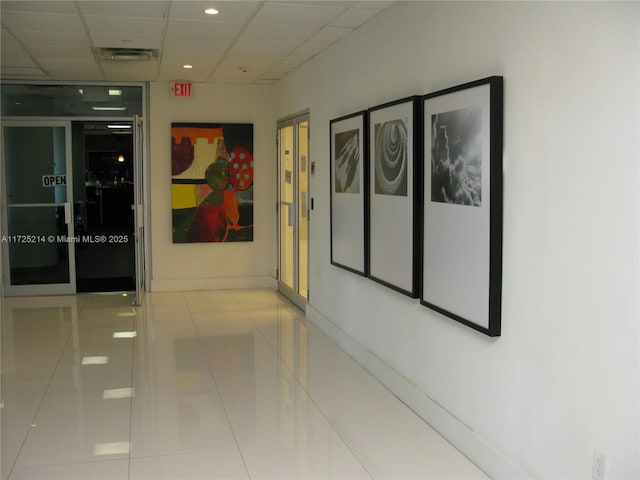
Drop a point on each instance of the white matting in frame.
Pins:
(462, 229)
(348, 169)
(392, 204)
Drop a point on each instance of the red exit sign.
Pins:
(181, 89)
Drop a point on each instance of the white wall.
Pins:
(213, 265)
(563, 379)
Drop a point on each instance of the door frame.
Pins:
(292, 293)
(141, 211)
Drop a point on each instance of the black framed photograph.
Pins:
(462, 225)
(395, 146)
(349, 171)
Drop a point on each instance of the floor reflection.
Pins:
(224, 384)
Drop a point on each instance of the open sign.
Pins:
(54, 180)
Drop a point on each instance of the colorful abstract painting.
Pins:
(212, 182)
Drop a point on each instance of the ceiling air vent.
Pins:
(126, 54)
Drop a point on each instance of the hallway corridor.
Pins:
(231, 384)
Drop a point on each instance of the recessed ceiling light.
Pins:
(113, 92)
(125, 334)
(108, 109)
(211, 11)
(187, 66)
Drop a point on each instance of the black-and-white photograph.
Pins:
(395, 143)
(349, 172)
(347, 158)
(456, 157)
(391, 157)
(462, 247)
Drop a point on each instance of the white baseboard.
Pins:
(212, 283)
(474, 447)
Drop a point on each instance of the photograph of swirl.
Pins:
(391, 142)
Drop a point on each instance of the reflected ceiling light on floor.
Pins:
(116, 393)
(187, 67)
(112, 448)
(95, 360)
(211, 11)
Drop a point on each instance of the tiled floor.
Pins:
(198, 385)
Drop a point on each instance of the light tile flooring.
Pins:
(198, 385)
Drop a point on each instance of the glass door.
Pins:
(302, 158)
(293, 208)
(37, 227)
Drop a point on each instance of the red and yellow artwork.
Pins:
(212, 182)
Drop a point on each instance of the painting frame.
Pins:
(212, 182)
(463, 201)
(395, 192)
(349, 171)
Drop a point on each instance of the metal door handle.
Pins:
(67, 213)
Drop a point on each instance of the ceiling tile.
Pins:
(296, 58)
(124, 25)
(311, 15)
(185, 50)
(133, 8)
(50, 22)
(23, 72)
(6, 37)
(32, 39)
(21, 61)
(62, 51)
(281, 68)
(177, 73)
(203, 30)
(133, 71)
(374, 4)
(311, 47)
(330, 34)
(70, 68)
(131, 41)
(230, 11)
(232, 73)
(58, 6)
(271, 76)
(296, 33)
(318, 3)
(354, 17)
(247, 51)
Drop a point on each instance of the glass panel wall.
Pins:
(35, 100)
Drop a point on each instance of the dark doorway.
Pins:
(103, 198)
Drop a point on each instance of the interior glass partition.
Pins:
(37, 230)
(293, 208)
(99, 195)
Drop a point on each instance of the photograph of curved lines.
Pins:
(391, 157)
(347, 155)
(456, 157)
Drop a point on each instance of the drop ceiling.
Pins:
(247, 42)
